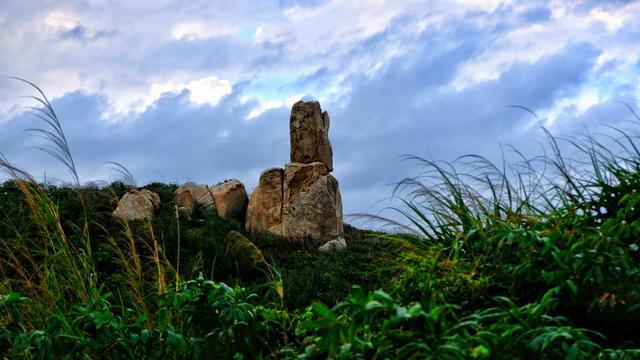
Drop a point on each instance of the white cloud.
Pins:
(530, 43)
(267, 105)
(200, 30)
(61, 20)
(205, 91)
(271, 104)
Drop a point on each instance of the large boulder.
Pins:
(191, 194)
(312, 206)
(184, 201)
(301, 202)
(309, 132)
(137, 205)
(230, 198)
(240, 253)
(264, 213)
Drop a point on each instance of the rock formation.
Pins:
(137, 205)
(198, 194)
(309, 133)
(230, 198)
(264, 213)
(301, 201)
(311, 205)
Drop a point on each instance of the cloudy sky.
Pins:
(201, 90)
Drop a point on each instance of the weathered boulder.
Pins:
(264, 213)
(337, 244)
(240, 253)
(137, 205)
(200, 195)
(230, 198)
(184, 201)
(309, 132)
(303, 201)
(312, 206)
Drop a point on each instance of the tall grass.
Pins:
(54, 261)
(58, 147)
(470, 194)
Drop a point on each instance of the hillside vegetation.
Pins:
(534, 259)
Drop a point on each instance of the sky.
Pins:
(202, 90)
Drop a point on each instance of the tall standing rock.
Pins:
(303, 200)
(309, 132)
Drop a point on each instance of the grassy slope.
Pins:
(587, 265)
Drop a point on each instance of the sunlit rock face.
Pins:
(137, 205)
(301, 201)
(312, 206)
(309, 133)
(191, 194)
(230, 198)
(264, 213)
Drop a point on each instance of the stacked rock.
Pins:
(301, 201)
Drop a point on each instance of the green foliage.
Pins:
(375, 325)
(202, 318)
(309, 275)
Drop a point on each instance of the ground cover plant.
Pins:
(535, 258)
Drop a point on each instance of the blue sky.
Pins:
(202, 90)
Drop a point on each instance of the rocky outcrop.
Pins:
(264, 213)
(301, 201)
(240, 253)
(184, 201)
(309, 133)
(312, 207)
(230, 199)
(191, 194)
(137, 205)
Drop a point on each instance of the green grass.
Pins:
(535, 258)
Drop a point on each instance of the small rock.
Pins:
(337, 244)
